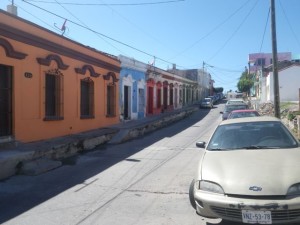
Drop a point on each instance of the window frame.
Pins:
(87, 109)
(53, 96)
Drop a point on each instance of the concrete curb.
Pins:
(29, 158)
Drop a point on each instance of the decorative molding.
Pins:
(46, 44)
(88, 79)
(111, 75)
(46, 61)
(55, 72)
(89, 68)
(9, 50)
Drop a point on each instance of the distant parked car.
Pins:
(235, 101)
(243, 113)
(248, 172)
(206, 103)
(230, 107)
(213, 98)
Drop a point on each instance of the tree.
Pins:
(218, 90)
(245, 83)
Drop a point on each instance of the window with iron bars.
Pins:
(86, 98)
(111, 100)
(53, 95)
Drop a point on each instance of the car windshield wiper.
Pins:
(260, 147)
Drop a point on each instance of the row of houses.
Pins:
(51, 86)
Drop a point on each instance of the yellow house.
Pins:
(51, 86)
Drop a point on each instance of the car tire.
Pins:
(191, 194)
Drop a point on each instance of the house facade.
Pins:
(132, 84)
(51, 86)
(168, 91)
(257, 61)
(288, 80)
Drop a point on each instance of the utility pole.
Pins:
(275, 60)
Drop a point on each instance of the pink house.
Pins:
(258, 60)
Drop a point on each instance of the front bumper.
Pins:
(230, 208)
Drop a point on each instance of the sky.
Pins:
(214, 35)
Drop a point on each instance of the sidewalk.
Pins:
(39, 157)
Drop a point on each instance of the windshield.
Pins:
(252, 135)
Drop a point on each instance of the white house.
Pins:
(289, 83)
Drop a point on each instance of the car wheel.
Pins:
(191, 194)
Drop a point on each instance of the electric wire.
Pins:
(265, 30)
(133, 24)
(86, 25)
(212, 30)
(103, 35)
(233, 34)
(49, 25)
(113, 4)
(288, 22)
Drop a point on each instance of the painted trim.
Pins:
(83, 70)
(47, 61)
(30, 39)
(10, 51)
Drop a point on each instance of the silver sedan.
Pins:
(249, 172)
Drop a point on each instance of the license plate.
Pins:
(255, 216)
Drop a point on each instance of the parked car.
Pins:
(249, 172)
(230, 107)
(235, 101)
(206, 103)
(213, 98)
(243, 113)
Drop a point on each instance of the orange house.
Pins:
(51, 86)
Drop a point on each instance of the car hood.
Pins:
(238, 171)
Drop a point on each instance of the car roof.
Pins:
(251, 119)
(244, 110)
(235, 101)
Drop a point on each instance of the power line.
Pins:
(112, 4)
(85, 24)
(98, 33)
(264, 31)
(133, 24)
(293, 32)
(240, 25)
(213, 29)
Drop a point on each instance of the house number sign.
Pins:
(28, 75)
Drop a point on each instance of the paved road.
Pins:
(144, 181)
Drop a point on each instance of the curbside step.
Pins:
(39, 166)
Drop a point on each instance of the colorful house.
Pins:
(132, 84)
(51, 86)
(257, 61)
(167, 91)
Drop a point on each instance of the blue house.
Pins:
(132, 94)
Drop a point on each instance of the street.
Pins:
(144, 181)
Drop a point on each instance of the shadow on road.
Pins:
(20, 193)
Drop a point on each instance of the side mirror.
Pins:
(200, 144)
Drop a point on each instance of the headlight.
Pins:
(294, 189)
(210, 187)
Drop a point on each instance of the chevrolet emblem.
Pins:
(255, 188)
